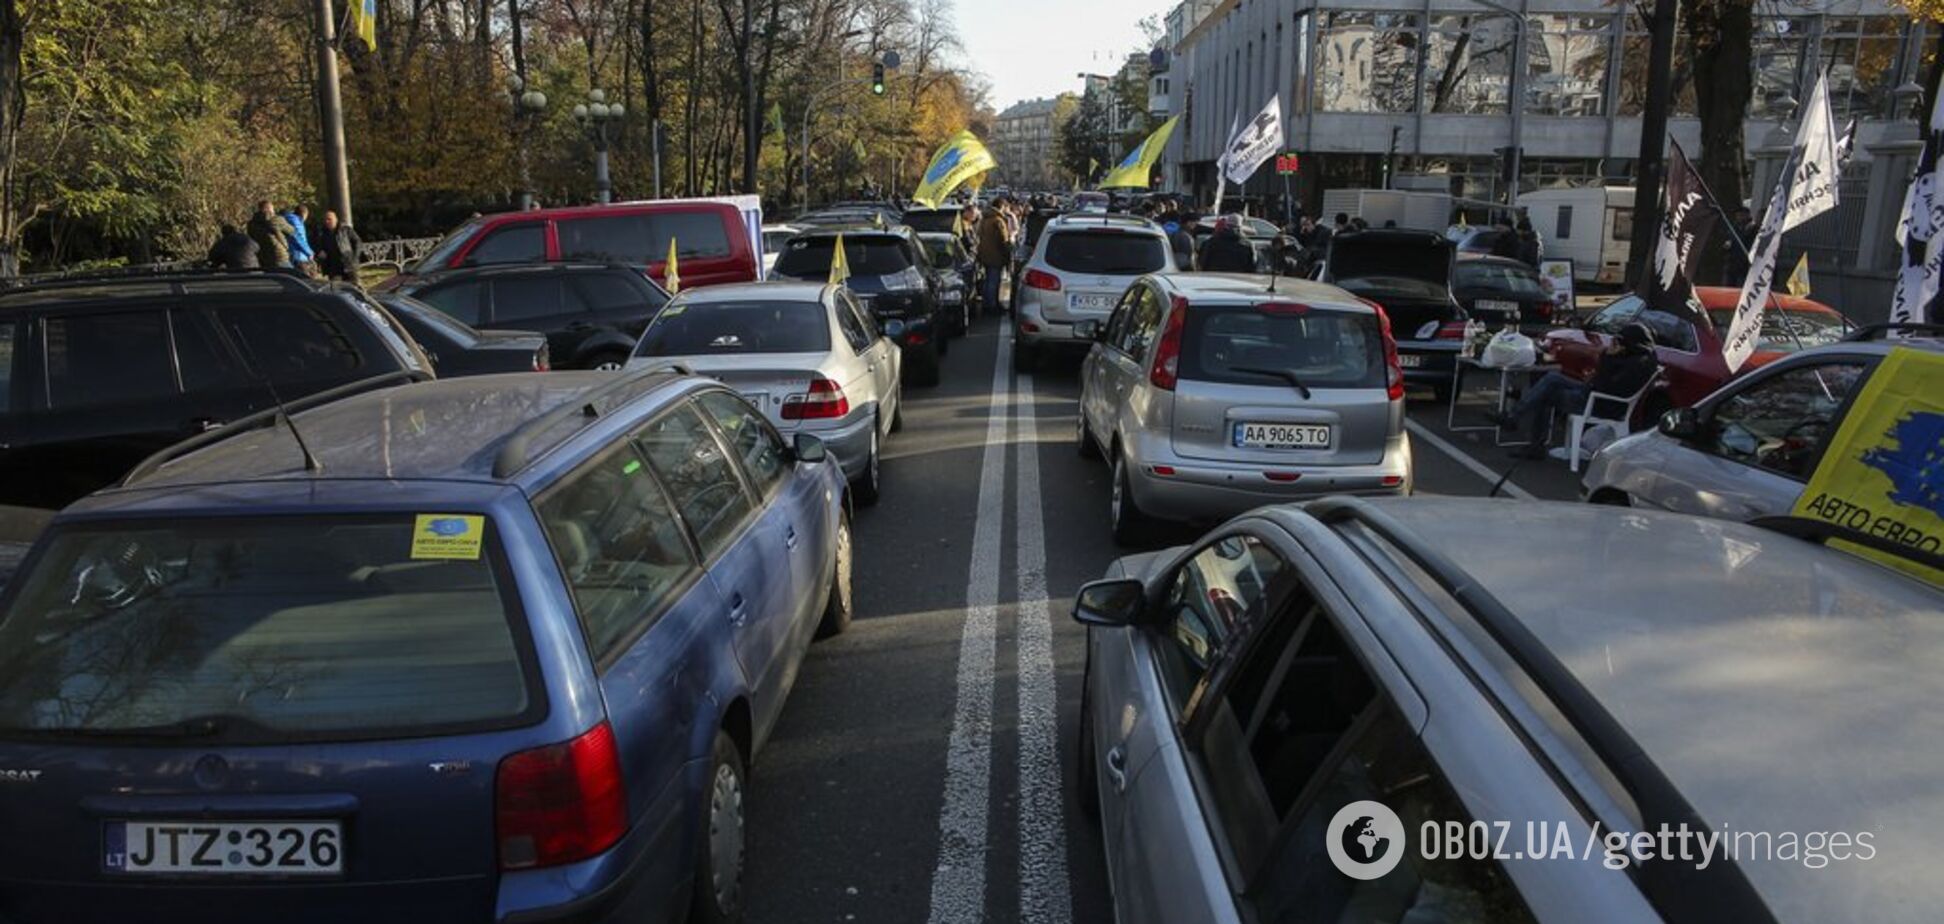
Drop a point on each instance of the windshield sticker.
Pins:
(447, 537)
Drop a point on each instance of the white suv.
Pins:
(1079, 268)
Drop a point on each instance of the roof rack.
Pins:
(1869, 332)
(518, 451)
(1719, 892)
(1821, 532)
(266, 418)
(292, 280)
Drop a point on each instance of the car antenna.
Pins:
(283, 413)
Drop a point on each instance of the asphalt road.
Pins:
(923, 768)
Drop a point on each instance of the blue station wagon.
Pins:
(494, 648)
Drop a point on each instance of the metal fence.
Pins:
(398, 251)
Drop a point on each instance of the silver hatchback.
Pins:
(1210, 394)
(1078, 270)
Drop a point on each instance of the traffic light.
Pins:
(877, 79)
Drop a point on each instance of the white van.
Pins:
(1592, 226)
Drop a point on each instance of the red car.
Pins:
(711, 242)
(1691, 353)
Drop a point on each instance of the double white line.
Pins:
(958, 891)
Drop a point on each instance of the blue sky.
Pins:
(1033, 48)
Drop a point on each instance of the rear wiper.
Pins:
(1283, 374)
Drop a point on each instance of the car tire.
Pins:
(1131, 526)
(1025, 356)
(842, 603)
(1086, 773)
(865, 489)
(1088, 448)
(923, 368)
(606, 361)
(720, 854)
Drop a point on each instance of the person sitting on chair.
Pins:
(1626, 365)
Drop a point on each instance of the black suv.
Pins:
(889, 273)
(98, 373)
(592, 314)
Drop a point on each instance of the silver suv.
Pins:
(1211, 394)
(1078, 270)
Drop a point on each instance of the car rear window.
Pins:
(767, 326)
(266, 629)
(442, 253)
(808, 257)
(1108, 253)
(641, 238)
(930, 220)
(1250, 345)
(1516, 281)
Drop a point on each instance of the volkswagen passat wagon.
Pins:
(497, 648)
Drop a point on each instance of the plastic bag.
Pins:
(1509, 349)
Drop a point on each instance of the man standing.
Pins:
(272, 236)
(337, 249)
(1225, 251)
(993, 253)
(301, 255)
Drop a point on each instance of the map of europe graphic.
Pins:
(1916, 466)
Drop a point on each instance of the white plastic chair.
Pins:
(1578, 425)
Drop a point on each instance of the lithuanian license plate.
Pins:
(1080, 302)
(223, 848)
(1497, 306)
(1282, 436)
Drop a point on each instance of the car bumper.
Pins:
(1200, 491)
(847, 441)
(1434, 360)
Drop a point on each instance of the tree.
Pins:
(1085, 140)
(13, 102)
(1720, 37)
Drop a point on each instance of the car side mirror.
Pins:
(1681, 423)
(1110, 604)
(1087, 330)
(892, 328)
(808, 448)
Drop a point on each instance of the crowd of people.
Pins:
(286, 240)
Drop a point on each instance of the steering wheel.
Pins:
(1792, 447)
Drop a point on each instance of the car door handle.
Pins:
(790, 537)
(1117, 768)
(737, 614)
(204, 424)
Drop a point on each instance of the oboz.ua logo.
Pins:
(1365, 840)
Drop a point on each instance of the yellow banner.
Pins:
(364, 22)
(1883, 473)
(839, 264)
(959, 159)
(672, 271)
(447, 536)
(1134, 169)
(1799, 279)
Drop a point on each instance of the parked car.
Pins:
(889, 275)
(807, 355)
(1501, 291)
(712, 244)
(1492, 666)
(1690, 352)
(456, 348)
(1209, 394)
(774, 238)
(1091, 201)
(1077, 272)
(1591, 226)
(19, 527)
(930, 221)
(591, 314)
(951, 269)
(505, 651)
(96, 374)
(1409, 274)
(1748, 449)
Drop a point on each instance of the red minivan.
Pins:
(710, 240)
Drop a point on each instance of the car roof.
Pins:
(1779, 685)
(862, 229)
(1392, 236)
(779, 291)
(1253, 287)
(611, 208)
(449, 429)
(1072, 221)
(138, 286)
(1716, 298)
(1490, 260)
(517, 269)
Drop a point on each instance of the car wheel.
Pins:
(607, 362)
(924, 368)
(1131, 526)
(865, 489)
(1025, 356)
(1088, 448)
(838, 609)
(1086, 774)
(719, 868)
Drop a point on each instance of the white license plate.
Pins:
(1499, 306)
(1410, 360)
(1080, 302)
(1282, 436)
(224, 848)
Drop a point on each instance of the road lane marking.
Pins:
(1472, 465)
(958, 881)
(1044, 896)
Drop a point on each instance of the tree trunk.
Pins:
(694, 90)
(1720, 34)
(13, 105)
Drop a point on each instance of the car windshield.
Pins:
(1376, 287)
(1498, 279)
(418, 312)
(1321, 348)
(441, 253)
(265, 629)
(715, 328)
(923, 220)
(1107, 253)
(809, 257)
(1786, 331)
(939, 249)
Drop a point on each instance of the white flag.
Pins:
(1258, 141)
(1919, 231)
(1221, 163)
(1808, 189)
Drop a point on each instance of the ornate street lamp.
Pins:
(526, 105)
(598, 119)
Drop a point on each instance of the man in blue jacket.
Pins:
(301, 255)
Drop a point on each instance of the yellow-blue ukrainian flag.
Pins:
(959, 159)
(364, 21)
(1134, 169)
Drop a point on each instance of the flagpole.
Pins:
(337, 177)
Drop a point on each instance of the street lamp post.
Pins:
(597, 118)
(527, 104)
(888, 60)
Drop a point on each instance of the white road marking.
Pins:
(958, 882)
(1472, 465)
(1044, 896)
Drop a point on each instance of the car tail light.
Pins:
(1040, 279)
(824, 401)
(1392, 481)
(542, 359)
(1166, 370)
(916, 337)
(1282, 476)
(1029, 327)
(1283, 308)
(1165, 471)
(1393, 368)
(560, 803)
(1451, 330)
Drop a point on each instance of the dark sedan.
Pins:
(457, 348)
(591, 314)
(1498, 291)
